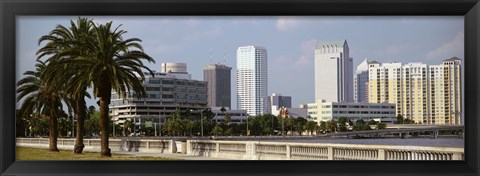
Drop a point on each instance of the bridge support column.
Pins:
(289, 153)
(250, 153)
(330, 153)
(381, 154)
(217, 149)
(457, 156)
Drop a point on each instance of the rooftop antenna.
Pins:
(211, 62)
(224, 56)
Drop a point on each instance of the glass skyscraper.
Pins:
(252, 78)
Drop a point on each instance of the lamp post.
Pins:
(159, 126)
(247, 125)
(113, 124)
(201, 122)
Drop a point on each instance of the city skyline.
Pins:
(290, 42)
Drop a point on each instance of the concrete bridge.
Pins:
(260, 150)
(405, 130)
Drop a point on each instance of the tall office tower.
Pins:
(425, 94)
(333, 71)
(360, 84)
(252, 78)
(271, 104)
(219, 86)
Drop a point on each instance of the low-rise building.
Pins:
(325, 111)
(236, 115)
(166, 92)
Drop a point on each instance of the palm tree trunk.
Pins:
(53, 133)
(81, 114)
(105, 151)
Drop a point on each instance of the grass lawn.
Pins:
(24, 153)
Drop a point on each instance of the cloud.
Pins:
(287, 23)
(162, 49)
(307, 51)
(451, 48)
(187, 40)
(197, 35)
(396, 50)
(192, 21)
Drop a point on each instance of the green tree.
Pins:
(399, 119)
(299, 125)
(41, 98)
(361, 125)
(111, 63)
(217, 130)
(372, 122)
(227, 118)
(91, 123)
(173, 124)
(342, 121)
(128, 127)
(229, 132)
(64, 124)
(311, 126)
(323, 126)
(65, 44)
(332, 125)
(289, 124)
(381, 126)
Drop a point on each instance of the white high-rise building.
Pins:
(333, 71)
(252, 78)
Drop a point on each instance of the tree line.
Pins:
(183, 124)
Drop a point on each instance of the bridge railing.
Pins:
(307, 151)
(116, 145)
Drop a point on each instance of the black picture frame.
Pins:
(470, 9)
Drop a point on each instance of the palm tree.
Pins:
(65, 44)
(112, 63)
(227, 118)
(40, 98)
(127, 127)
(103, 59)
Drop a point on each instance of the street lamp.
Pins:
(113, 124)
(247, 124)
(201, 122)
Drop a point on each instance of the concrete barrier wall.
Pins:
(254, 150)
(116, 145)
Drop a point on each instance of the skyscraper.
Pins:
(333, 71)
(426, 94)
(360, 84)
(219, 87)
(252, 78)
(274, 102)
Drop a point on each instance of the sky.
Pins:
(290, 42)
